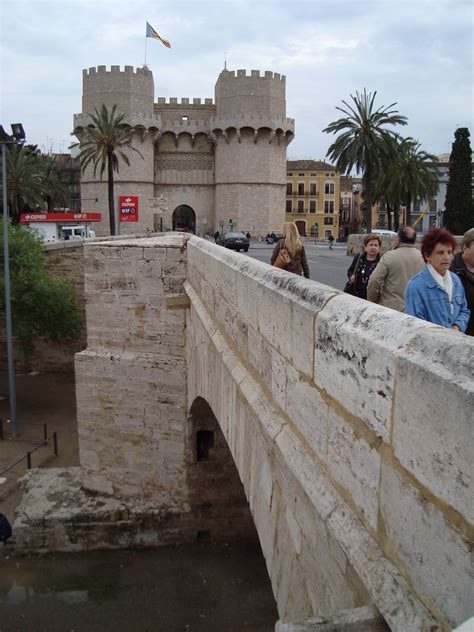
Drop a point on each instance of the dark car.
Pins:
(235, 241)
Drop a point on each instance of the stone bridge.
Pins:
(349, 425)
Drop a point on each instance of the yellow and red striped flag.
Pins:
(150, 32)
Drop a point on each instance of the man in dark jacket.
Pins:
(463, 266)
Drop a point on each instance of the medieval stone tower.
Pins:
(211, 161)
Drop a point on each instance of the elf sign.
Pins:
(129, 208)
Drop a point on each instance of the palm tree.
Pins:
(54, 191)
(364, 144)
(101, 144)
(412, 177)
(23, 180)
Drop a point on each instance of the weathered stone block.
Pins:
(434, 406)
(355, 465)
(356, 355)
(308, 411)
(429, 546)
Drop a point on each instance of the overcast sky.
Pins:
(417, 53)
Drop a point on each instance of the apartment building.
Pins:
(313, 197)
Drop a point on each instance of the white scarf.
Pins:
(445, 282)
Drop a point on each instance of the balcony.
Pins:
(306, 194)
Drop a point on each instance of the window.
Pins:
(312, 206)
(328, 220)
(329, 188)
(184, 117)
(289, 188)
(300, 188)
(289, 174)
(312, 188)
(313, 173)
(300, 206)
(328, 206)
(288, 206)
(301, 174)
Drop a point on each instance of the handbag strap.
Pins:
(357, 268)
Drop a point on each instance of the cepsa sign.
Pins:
(129, 208)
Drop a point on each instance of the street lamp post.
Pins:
(18, 136)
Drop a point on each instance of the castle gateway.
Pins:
(202, 164)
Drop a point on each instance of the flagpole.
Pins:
(145, 47)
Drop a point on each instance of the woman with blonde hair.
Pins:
(294, 247)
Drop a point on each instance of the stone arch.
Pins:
(184, 219)
(216, 494)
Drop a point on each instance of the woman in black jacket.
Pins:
(364, 264)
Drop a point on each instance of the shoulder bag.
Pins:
(283, 259)
(350, 288)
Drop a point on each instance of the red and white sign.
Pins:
(129, 208)
(27, 218)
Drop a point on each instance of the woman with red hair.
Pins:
(436, 294)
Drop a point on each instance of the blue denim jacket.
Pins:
(426, 300)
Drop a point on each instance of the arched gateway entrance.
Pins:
(184, 219)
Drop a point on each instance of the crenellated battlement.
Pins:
(250, 120)
(184, 101)
(134, 119)
(115, 70)
(254, 74)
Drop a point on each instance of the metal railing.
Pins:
(27, 456)
(24, 423)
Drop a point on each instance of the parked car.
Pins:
(236, 241)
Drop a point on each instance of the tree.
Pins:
(42, 306)
(101, 144)
(23, 180)
(364, 144)
(458, 216)
(54, 193)
(412, 177)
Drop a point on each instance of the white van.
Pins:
(381, 232)
(76, 232)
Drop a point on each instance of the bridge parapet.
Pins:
(368, 415)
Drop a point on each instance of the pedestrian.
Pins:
(463, 266)
(294, 246)
(395, 268)
(330, 239)
(435, 294)
(248, 235)
(363, 265)
(216, 236)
